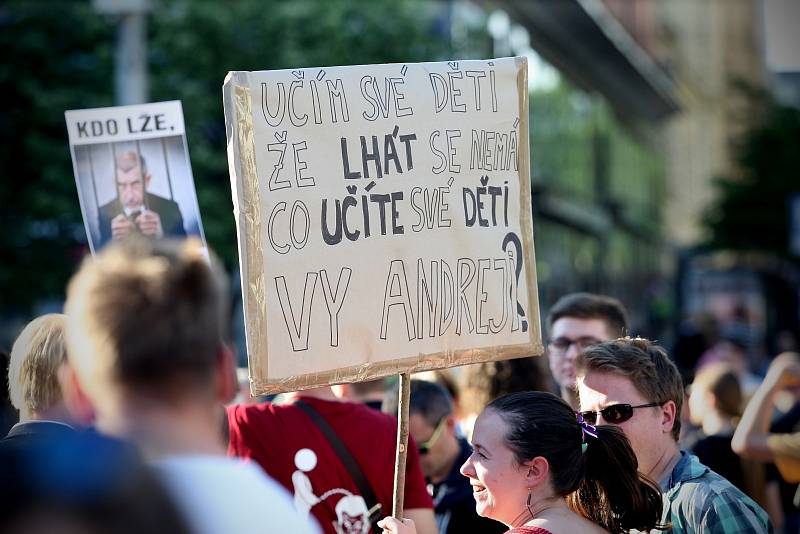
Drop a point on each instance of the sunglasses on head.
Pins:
(616, 413)
(425, 447)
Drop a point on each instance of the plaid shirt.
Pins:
(698, 500)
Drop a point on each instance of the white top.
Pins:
(221, 495)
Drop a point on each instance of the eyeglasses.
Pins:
(616, 413)
(425, 447)
(562, 344)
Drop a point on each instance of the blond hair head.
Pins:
(148, 316)
(36, 357)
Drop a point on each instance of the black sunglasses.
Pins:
(424, 448)
(616, 413)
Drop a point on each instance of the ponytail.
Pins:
(613, 493)
(593, 468)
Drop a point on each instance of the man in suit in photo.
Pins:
(135, 211)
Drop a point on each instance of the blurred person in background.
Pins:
(715, 405)
(695, 335)
(538, 469)
(484, 382)
(753, 437)
(334, 453)
(9, 415)
(577, 321)
(449, 381)
(432, 424)
(36, 358)
(732, 350)
(633, 384)
(369, 392)
(145, 324)
(786, 421)
(83, 483)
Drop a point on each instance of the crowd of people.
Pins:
(126, 424)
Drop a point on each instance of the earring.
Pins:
(528, 503)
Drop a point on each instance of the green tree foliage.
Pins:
(751, 210)
(58, 56)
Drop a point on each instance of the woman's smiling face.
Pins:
(496, 477)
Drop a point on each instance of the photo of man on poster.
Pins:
(133, 173)
(135, 210)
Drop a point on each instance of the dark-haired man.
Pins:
(577, 321)
(442, 453)
(633, 384)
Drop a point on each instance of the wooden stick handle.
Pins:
(402, 445)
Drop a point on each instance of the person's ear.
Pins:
(536, 471)
(78, 404)
(669, 411)
(146, 179)
(711, 400)
(226, 381)
(450, 424)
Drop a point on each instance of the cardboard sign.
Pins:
(133, 173)
(384, 219)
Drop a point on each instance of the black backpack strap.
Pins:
(347, 459)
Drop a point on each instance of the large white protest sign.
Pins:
(133, 172)
(384, 218)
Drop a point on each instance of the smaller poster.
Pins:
(133, 172)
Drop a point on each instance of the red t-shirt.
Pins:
(294, 451)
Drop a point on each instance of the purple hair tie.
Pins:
(586, 428)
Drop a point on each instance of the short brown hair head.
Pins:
(147, 315)
(591, 306)
(644, 363)
(36, 357)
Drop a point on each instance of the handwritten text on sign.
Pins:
(390, 212)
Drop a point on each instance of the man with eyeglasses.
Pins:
(442, 451)
(633, 384)
(575, 322)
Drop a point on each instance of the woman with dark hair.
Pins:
(539, 469)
